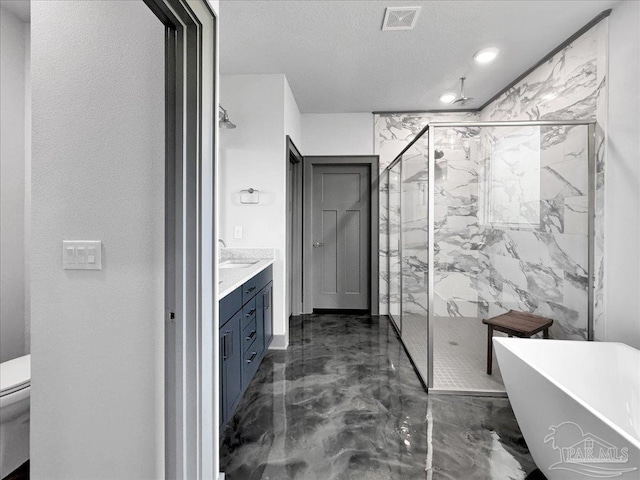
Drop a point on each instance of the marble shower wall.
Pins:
(473, 260)
(501, 198)
(533, 250)
(570, 86)
(393, 132)
(390, 189)
(456, 222)
(415, 223)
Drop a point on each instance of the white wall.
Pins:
(215, 6)
(622, 201)
(13, 194)
(337, 134)
(98, 174)
(253, 156)
(292, 116)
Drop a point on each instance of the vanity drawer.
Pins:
(264, 277)
(251, 362)
(249, 334)
(251, 287)
(248, 313)
(230, 305)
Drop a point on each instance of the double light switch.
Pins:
(82, 255)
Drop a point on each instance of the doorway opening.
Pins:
(15, 238)
(191, 370)
(340, 233)
(294, 228)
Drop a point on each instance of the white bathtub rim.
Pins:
(507, 342)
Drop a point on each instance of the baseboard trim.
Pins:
(279, 342)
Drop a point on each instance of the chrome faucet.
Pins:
(222, 242)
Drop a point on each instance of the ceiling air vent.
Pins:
(400, 18)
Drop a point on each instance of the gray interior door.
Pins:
(341, 236)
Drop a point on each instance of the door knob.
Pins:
(318, 244)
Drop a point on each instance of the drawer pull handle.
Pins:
(224, 346)
(251, 289)
(253, 355)
(251, 312)
(226, 351)
(251, 335)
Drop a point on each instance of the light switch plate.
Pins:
(237, 232)
(82, 254)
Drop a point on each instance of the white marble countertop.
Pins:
(231, 278)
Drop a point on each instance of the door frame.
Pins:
(294, 162)
(191, 339)
(373, 161)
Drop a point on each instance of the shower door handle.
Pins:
(318, 244)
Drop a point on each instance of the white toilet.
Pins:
(15, 390)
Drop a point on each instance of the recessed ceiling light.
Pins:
(448, 97)
(486, 55)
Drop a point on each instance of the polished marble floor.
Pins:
(343, 402)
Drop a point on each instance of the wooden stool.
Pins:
(518, 324)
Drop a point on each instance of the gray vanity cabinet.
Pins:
(267, 312)
(246, 331)
(230, 366)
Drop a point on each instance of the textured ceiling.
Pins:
(337, 58)
(20, 8)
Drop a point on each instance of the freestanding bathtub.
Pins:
(577, 404)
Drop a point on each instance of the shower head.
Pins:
(462, 99)
(223, 119)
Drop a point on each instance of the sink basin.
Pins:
(236, 264)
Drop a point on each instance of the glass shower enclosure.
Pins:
(484, 218)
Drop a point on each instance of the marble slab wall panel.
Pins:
(393, 132)
(456, 260)
(570, 86)
(538, 272)
(384, 240)
(391, 213)
(415, 225)
(567, 87)
(526, 175)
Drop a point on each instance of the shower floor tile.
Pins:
(459, 353)
(460, 356)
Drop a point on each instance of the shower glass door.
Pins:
(414, 253)
(512, 203)
(394, 246)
